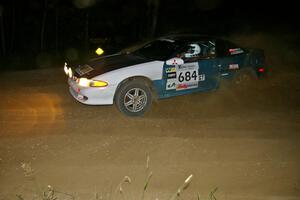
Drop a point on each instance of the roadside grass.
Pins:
(118, 193)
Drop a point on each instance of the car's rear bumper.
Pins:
(92, 95)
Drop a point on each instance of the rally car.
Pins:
(165, 67)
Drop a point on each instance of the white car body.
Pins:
(105, 95)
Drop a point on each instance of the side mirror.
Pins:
(175, 61)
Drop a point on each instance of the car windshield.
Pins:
(158, 49)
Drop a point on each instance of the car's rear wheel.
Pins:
(134, 98)
(244, 77)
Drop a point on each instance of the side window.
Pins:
(210, 48)
(198, 50)
(221, 49)
(226, 48)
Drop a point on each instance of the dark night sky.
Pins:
(75, 23)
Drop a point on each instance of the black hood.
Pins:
(105, 64)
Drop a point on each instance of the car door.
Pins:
(198, 73)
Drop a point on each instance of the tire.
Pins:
(134, 98)
(244, 77)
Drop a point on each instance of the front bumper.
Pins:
(92, 95)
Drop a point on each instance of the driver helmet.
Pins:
(193, 51)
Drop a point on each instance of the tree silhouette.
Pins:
(2, 31)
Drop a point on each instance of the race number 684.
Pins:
(187, 76)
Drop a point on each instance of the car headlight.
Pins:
(68, 70)
(70, 73)
(84, 82)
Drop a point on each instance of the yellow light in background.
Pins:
(99, 51)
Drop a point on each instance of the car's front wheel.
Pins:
(134, 98)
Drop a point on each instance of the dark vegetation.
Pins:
(44, 33)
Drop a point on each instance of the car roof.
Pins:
(187, 37)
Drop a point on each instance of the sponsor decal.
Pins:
(234, 66)
(183, 77)
(188, 66)
(174, 62)
(171, 84)
(192, 85)
(187, 76)
(170, 69)
(236, 51)
(201, 77)
(84, 69)
(181, 86)
(186, 86)
(171, 75)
